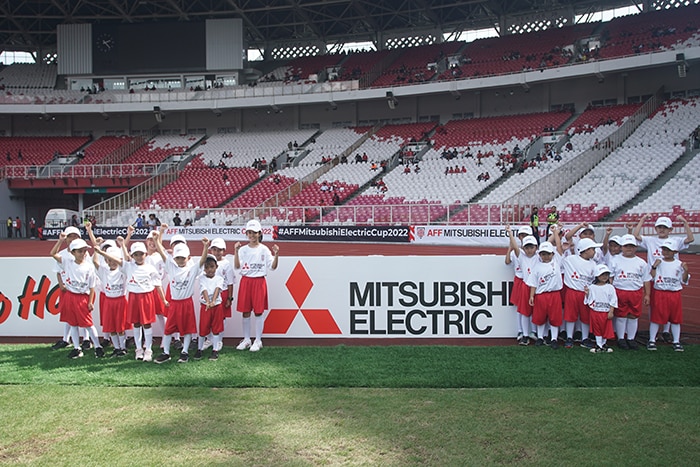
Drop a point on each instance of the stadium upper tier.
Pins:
(555, 47)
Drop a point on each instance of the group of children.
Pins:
(570, 282)
(141, 283)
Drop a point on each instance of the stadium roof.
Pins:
(31, 25)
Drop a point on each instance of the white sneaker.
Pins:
(207, 344)
(219, 346)
(148, 355)
(257, 345)
(139, 354)
(245, 343)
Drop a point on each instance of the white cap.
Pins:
(77, 244)
(615, 238)
(546, 247)
(588, 227)
(664, 221)
(668, 243)
(601, 269)
(137, 247)
(628, 239)
(178, 238)
(72, 230)
(212, 257)
(218, 243)
(526, 229)
(152, 234)
(586, 243)
(253, 225)
(529, 240)
(181, 251)
(108, 244)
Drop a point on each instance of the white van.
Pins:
(59, 218)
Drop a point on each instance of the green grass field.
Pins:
(345, 405)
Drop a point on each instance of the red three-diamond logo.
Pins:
(299, 285)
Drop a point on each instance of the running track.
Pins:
(691, 293)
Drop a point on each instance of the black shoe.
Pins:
(666, 336)
(563, 336)
(75, 353)
(554, 345)
(60, 345)
(587, 344)
(577, 336)
(622, 344)
(99, 352)
(86, 345)
(184, 358)
(198, 355)
(524, 340)
(122, 353)
(105, 342)
(162, 358)
(115, 353)
(177, 344)
(214, 355)
(632, 344)
(539, 342)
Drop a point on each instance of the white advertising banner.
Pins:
(329, 297)
(467, 235)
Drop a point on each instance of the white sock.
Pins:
(148, 334)
(570, 329)
(216, 341)
(555, 332)
(246, 328)
(653, 331)
(75, 336)
(676, 331)
(166, 343)
(92, 332)
(66, 332)
(86, 333)
(632, 325)
(122, 341)
(667, 326)
(259, 323)
(115, 341)
(200, 343)
(600, 342)
(585, 330)
(138, 338)
(186, 343)
(540, 331)
(620, 325)
(524, 324)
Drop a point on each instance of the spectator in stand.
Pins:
(188, 223)
(138, 222)
(177, 221)
(152, 221)
(74, 221)
(9, 227)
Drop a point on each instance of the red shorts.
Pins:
(601, 326)
(211, 320)
(666, 305)
(523, 300)
(547, 308)
(574, 308)
(515, 291)
(141, 309)
(226, 309)
(181, 317)
(252, 295)
(74, 309)
(113, 313)
(629, 302)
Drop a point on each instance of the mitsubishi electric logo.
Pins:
(299, 285)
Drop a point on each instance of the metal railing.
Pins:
(561, 179)
(39, 172)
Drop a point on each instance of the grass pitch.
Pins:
(342, 405)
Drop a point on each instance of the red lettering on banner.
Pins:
(299, 285)
(434, 232)
(53, 300)
(5, 307)
(33, 299)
